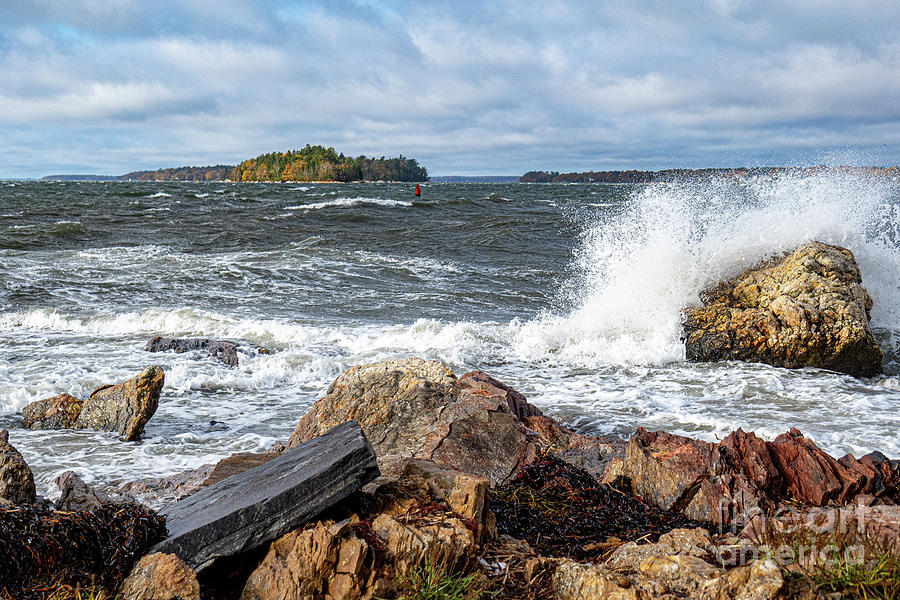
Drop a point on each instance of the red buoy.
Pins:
(418, 192)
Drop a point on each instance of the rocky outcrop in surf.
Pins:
(804, 309)
(124, 407)
(225, 350)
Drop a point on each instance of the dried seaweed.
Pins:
(41, 549)
(562, 511)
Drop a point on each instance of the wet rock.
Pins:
(58, 412)
(237, 464)
(225, 350)
(743, 474)
(807, 308)
(77, 495)
(125, 407)
(159, 491)
(16, 480)
(412, 514)
(413, 408)
(248, 510)
(160, 577)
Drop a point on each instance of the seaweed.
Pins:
(43, 549)
(561, 510)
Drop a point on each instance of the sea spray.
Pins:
(640, 266)
(571, 294)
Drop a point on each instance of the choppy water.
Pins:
(570, 293)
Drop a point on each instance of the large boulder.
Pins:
(744, 475)
(414, 408)
(125, 407)
(807, 308)
(250, 509)
(16, 479)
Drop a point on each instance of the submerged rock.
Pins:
(807, 308)
(225, 350)
(77, 495)
(414, 408)
(16, 479)
(125, 407)
(58, 412)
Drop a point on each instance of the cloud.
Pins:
(463, 86)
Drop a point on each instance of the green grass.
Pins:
(878, 578)
(431, 582)
(844, 560)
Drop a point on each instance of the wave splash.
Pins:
(639, 267)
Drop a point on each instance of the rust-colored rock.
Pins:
(16, 479)
(160, 577)
(58, 412)
(125, 407)
(807, 308)
(743, 474)
(413, 408)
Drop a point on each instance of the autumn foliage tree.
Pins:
(317, 163)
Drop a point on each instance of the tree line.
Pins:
(317, 163)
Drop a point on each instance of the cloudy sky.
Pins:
(110, 86)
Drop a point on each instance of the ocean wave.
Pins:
(344, 202)
(638, 268)
(159, 195)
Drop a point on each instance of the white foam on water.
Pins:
(351, 202)
(159, 195)
(640, 267)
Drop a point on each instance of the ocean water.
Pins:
(570, 293)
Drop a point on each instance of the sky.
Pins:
(112, 86)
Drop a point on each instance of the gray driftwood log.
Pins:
(253, 508)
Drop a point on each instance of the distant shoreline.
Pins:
(609, 177)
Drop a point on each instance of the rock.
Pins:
(58, 412)
(237, 464)
(744, 475)
(76, 495)
(413, 408)
(672, 568)
(807, 308)
(16, 480)
(248, 510)
(225, 350)
(159, 491)
(125, 407)
(160, 577)
(413, 513)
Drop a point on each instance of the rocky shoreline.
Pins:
(469, 473)
(404, 474)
